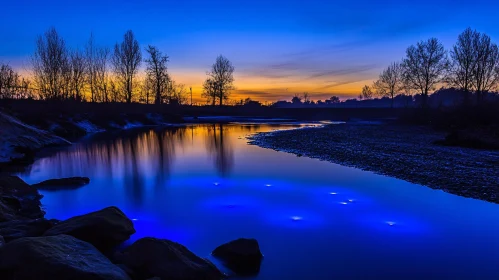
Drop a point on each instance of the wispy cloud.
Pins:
(342, 72)
(265, 94)
(337, 84)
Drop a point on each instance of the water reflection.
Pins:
(141, 159)
(220, 149)
(169, 181)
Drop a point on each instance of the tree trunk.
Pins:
(158, 92)
(129, 92)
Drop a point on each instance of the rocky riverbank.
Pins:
(18, 140)
(89, 246)
(402, 151)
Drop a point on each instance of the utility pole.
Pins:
(190, 88)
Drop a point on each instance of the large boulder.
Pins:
(151, 257)
(62, 183)
(18, 200)
(105, 229)
(16, 229)
(242, 255)
(55, 257)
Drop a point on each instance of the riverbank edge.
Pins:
(369, 146)
(69, 130)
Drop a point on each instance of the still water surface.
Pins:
(203, 185)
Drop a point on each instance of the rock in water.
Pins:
(105, 229)
(150, 257)
(18, 200)
(55, 257)
(242, 256)
(2, 241)
(62, 183)
(25, 228)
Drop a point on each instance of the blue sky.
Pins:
(277, 47)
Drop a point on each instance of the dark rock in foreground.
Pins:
(18, 200)
(2, 241)
(62, 183)
(150, 257)
(105, 229)
(25, 228)
(242, 256)
(55, 257)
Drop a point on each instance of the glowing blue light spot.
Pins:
(333, 193)
(390, 223)
(268, 185)
(350, 200)
(343, 202)
(216, 183)
(135, 219)
(296, 218)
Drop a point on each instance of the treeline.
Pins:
(101, 74)
(12, 85)
(470, 70)
(471, 67)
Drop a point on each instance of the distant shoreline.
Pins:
(400, 151)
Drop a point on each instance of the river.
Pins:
(203, 185)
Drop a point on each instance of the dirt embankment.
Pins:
(18, 139)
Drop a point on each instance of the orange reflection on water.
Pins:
(144, 159)
(149, 153)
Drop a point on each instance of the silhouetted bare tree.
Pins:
(464, 60)
(101, 74)
(390, 81)
(367, 92)
(126, 60)
(178, 93)
(78, 69)
(485, 73)
(147, 87)
(67, 78)
(210, 91)
(407, 87)
(425, 65)
(90, 56)
(50, 64)
(222, 78)
(12, 85)
(306, 98)
(114, 90)
(9, 81)
(157, 71)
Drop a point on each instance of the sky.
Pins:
(278, 48)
